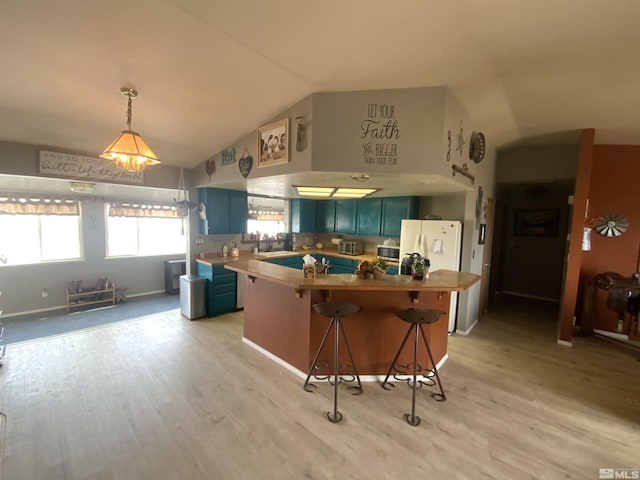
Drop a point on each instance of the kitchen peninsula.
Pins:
(279, 319)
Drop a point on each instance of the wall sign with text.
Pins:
(76, 167)
(380, 132)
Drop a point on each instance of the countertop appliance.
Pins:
(408, 261)
(288, 242)
(351, 248)
(391, 253)
(439, 241)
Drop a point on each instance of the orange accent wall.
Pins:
(614, 187)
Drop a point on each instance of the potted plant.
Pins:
(378, 267)
(417, 269)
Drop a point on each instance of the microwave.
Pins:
(389, 252)
(350, 248)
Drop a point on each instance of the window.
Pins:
(28, 239)
(141, 233)
(266, 216)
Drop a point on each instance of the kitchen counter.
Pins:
(214, 259)
(280, 322)
(439, 281)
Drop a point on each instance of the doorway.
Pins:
(528, 257)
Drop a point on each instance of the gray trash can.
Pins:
(192, 296)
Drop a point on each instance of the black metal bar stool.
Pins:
(416, 318)
(336, 311)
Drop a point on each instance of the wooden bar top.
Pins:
(439, 280)
(216, 259)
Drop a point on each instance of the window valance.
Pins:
(142, 210)
(37, 205)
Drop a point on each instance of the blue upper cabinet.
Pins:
(226, 211)
(346, 216)
(326, 216)
(303, 215)
(394, 209)
(238, 212)
(369, 216)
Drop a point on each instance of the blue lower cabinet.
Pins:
(392, 271)
(293, 262)
(221, 288)
(342, 265)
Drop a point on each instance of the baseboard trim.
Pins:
(39, 310)
(64, 307)
(616, 336)
(302, 375)
(466, 332)
(564, 343)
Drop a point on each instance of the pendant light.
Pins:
(129, 151)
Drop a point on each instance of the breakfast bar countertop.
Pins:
(216, 259)
(439, 280)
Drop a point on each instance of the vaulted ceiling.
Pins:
(210, 71)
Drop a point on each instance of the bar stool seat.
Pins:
(416, 318)
(336, 311)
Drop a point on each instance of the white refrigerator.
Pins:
(440, 241)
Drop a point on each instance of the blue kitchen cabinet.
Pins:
(238, 211)
(226, 210)
(369, 216)
(346, 216)
(326, 216)
(293, 262)
(394, 209)
(303, 215)
(392, 270)
(341, 265)
(221, 288)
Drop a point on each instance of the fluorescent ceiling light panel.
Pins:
(337, 192)
(354, 192)
(314, 194)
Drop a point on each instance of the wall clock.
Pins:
(477, 147)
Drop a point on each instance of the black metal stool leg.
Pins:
(337, 416)
(353, 364)
(385, 384)
(315, 359)
(413, 419)
(440, 397)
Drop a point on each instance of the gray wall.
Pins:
(537, 163)
(21, 285)
(342, 118)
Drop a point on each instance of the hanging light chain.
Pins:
(129, 112)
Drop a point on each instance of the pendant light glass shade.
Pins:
(129, 151)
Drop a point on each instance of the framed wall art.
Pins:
(536, 222)
(273, 143)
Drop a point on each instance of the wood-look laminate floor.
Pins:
(161, 397)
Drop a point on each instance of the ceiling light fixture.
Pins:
(129, 151)
(334, 192)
